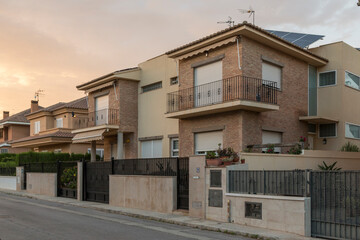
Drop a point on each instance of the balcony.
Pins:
(98, 118)
(229, 94)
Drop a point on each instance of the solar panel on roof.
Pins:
(302, 40)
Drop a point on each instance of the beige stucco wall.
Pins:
(337, 102)
(309, 160)
(42, 183)
(153, 193)
(288, 214)
(153, 104)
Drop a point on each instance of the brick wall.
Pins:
(245, 127)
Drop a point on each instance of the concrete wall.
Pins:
(42, 183)
(288, 214)
(153, 193)
(308, 160)
(7, 182)
(153, 104)
(197, 198)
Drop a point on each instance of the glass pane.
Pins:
(352, 80)
(175, 144)
(328, 130)
(352, 131)
(327, 78)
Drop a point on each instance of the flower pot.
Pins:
(227, 163)
(242, 161)
(214, 162)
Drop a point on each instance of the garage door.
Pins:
(207, 141)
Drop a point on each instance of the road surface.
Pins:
(25, 218)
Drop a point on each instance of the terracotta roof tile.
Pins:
(80, 103)
(18, 117)
(60, 134)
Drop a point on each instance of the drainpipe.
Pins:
(238, 51)
(116, 96)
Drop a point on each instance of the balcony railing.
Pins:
(101, 117)
(226, 90)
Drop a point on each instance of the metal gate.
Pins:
(335, 204)
(96, 181)
(183, 183)
(67, 179)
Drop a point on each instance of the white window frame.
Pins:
(345, 79)
(351, 124)
(172, 150)
(98, 149)
(336, 130)
(4, 150)
(36, 127)
(327, 85)
(152, 147)
(58, 121)
(58, 150)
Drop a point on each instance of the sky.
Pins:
(55, 45)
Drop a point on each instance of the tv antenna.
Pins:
(251, 11)
(39, 93)
(230, 22)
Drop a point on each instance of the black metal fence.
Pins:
(11, 171)
(279, 183)
(50, 167)
(229, 89)
(335, 204)
(146, 166)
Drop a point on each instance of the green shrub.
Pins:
(69, 178)
(43, 157)
(9, 164)
(295, 150)
(349, 147)
(5, 157)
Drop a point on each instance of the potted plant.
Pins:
(242, 160)
(302, 142)
(227, 155)
(212, 159)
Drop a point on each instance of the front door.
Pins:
(208, 85)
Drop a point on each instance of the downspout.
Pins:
(116, 96)
(238, 51)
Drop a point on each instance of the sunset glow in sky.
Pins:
(56, 45)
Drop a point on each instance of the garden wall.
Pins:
(7, 182)
(310, 159)
(42, 183)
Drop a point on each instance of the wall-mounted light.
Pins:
(73, 114)
(127, 140)
(324, 141)
(64, 116)
(206, 53)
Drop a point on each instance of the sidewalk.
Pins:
(176, 218)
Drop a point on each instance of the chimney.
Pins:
(34, 106)
(6, 114)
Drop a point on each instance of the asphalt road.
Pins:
(25, 218)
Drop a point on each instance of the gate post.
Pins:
(20, 178)
(58, 177)
(80, 180)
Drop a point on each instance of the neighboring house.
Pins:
(126, 111)
(50, 128)
(334, 90)
(12, 128)
(238, 87)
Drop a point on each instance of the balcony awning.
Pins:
(94, 135)
(318, 119)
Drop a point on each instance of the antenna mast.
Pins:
(251, 11)
(230, 22)
(39, 93)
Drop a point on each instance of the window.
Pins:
(208, 85)
(151, 149)
(327, 130)
(174, 147)
(59, 123)
(269, 137)
(352, 131)
(352, 80)
(4, 150)
(272, 72)
(311, 128)
(1, 132)
(101, 110)
(327, 78)
(57, 150)
(36, 127)
(151, 87)
(174, 80)
(207, 141)
(99, 151)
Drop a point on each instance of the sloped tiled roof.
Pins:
(108, 75)
(18, 117)
(80, 103)
(59, 134)
(238, 26)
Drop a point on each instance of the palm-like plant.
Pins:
(325, 167)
